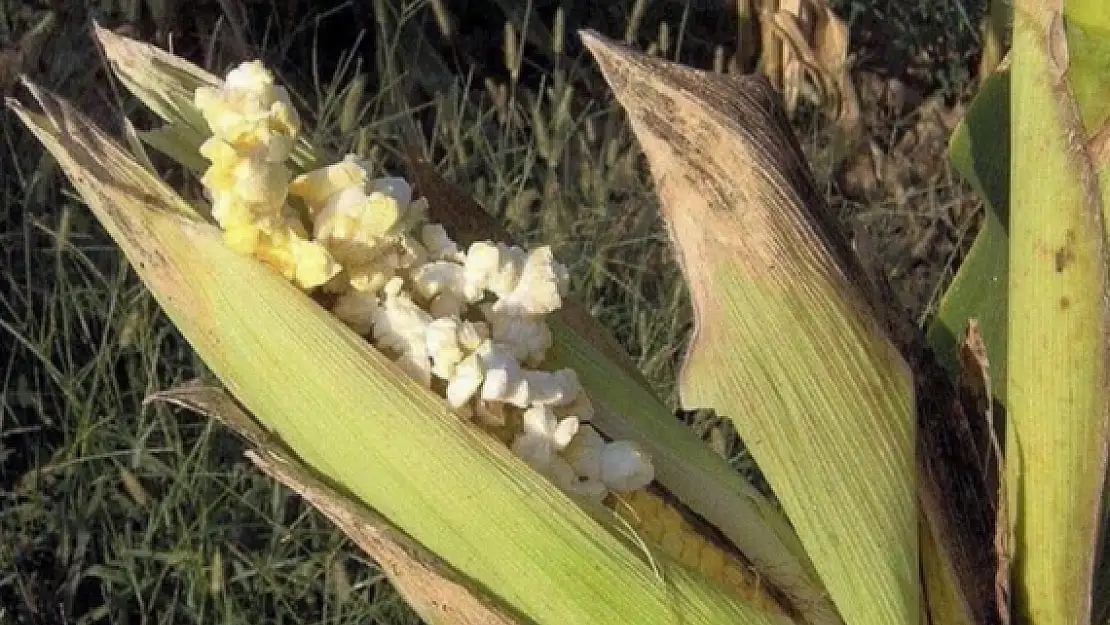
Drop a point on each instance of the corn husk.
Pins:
(785, 343)
(349, 415)
(625, 405)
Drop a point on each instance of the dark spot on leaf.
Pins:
(1065, 303)
(1065, 254)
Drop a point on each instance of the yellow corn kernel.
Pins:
(662, 525)
(653, 530)
(691, 550)
(713, 561)
(672, 543)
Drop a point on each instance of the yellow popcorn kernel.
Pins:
(313, 265)
(671, 543)
(305, 262)
(251, 112)
(220, 175)
(230, 211)
(371, 278)
(244, 239)
(284, 117)
(315, 187)
(353, 225)
(261, 183)
(652, 530)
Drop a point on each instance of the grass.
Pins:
(112, 511)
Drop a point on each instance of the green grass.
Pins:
(112, 511)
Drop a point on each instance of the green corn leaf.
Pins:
(349, 414)
(1057, 345)
(428, 585)
(980, 151)
(786, 343)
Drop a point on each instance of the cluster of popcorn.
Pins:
(253, 127)
(468, 324)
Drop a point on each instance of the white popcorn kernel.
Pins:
(584, 453)
(552, 388)
(472, 334)
(625, 467)
(447, 305)
(411, 253)
(495, 268)
(439, 245)
(543, 435)
(465, 383)
(417, 366)
(399, 323)
(395, 188)
(592, 489)
(537, 288)
(561, 474)
(357, 310)
(436, 277)
(442, 342)
(505, 380)
(528, 337)
(580, 406)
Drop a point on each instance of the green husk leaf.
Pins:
(176, 142)
(349, 414)
(980, 151)
(166, 84)
(684, 466)
(1057, 346)
(786, 344)
(435, 592)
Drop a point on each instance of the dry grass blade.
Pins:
(806, 51)
(425, 581)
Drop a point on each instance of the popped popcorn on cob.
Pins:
(470, 325)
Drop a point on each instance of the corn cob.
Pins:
(671, 527)
(426, 303)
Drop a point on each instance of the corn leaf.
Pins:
(786, 344)
(980, 151)
(349, 414)
(1057, 345)
(427, 584)
(684, 466)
